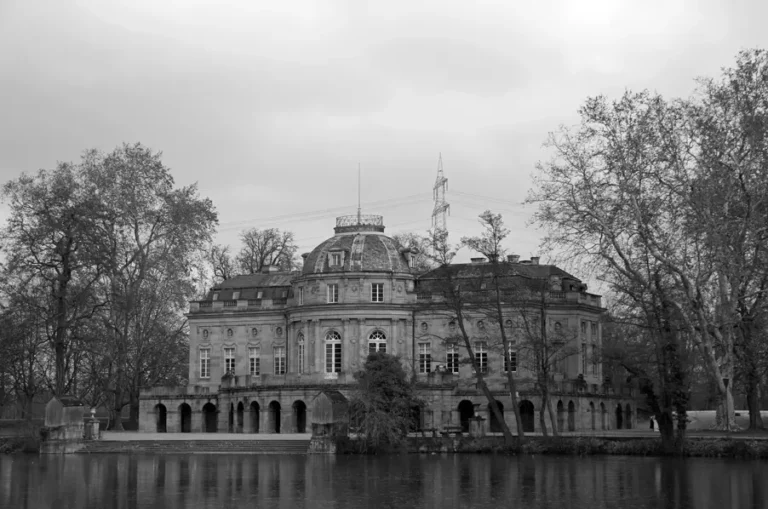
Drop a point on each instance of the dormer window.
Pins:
(235, 295)
(337, 259)
(259, 294)
(411, 260)
(215, 295)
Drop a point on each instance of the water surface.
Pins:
(437, 481)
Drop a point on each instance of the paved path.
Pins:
(126, 436)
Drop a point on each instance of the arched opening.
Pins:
(603, 418)
(300, 416)
(495, 424)
(231, 422)
(416, 422)
(592, 414)
(560, 416)
(619, 417)
(571, 416)
(209, 418)
(377, 342)
(628, 417)
(240, 417)
(466, 412)
(255, 414)
(185, 413)
(526, 415)
(161, 418)
(274, 417)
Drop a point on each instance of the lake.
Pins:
(437, 481)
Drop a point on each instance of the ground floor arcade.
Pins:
(281, 410)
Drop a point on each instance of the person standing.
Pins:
(652, 423)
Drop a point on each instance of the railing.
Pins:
(206, 304)
(230, 303)
(367, 219)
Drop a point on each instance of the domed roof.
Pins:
(362, 248)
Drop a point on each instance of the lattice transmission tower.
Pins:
(442, 208)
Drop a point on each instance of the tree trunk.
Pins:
(667, 431)
(552, 417)
(753, 404)
(725, 414)
(543, 421)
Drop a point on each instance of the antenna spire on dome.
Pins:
(358, 193)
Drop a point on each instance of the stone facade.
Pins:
(262, 346)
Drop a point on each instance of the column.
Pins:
(362, 348)
(346, 346)
(319, 349)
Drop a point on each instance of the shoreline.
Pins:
(730, 447)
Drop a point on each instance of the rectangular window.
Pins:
(377, 292)
(254, 361)
(452, 358)
(229, 360)
(425, 358)
(481, 356)
(205, 363)
(595, 364)
(594, 332)
(259, 295)
(333, 294)
(512, 364)
(583, 330)
(235, 295)
(333, 357)
(301, 296)
(336, 259)
(279, 360)
(300, 357)
(216, 296)
(584, 358)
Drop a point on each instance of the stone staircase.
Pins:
(197, 446)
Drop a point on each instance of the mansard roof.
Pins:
(515, 273)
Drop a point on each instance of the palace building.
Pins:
(262, 346)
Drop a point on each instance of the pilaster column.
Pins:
(346, 346)
(363, 346)
(319, 349)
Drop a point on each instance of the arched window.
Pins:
(300, 353)
(333, 352)
(377, 342)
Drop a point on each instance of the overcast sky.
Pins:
(270, 106)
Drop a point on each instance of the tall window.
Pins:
(377, 342)
(300, 353)
(279, 360)
(584, 358)
(452, 358)
(377, 292)
(594, 332)
(254, 361)
(205, 363)
(301, 296)
(425, 358)
(481, 356)
(336, 259)
(583, 330)
(595, 365)
(229, 360)
(333, 352)
(511, 365)
(333, 293)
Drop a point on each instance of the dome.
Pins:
(357, 247)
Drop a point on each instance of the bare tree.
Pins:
(670, 196)
(266, 247)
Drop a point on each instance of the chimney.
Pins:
(513, 258)
(305, 256)
(478, 260)
(535, 260)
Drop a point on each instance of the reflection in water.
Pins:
(436, 481)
